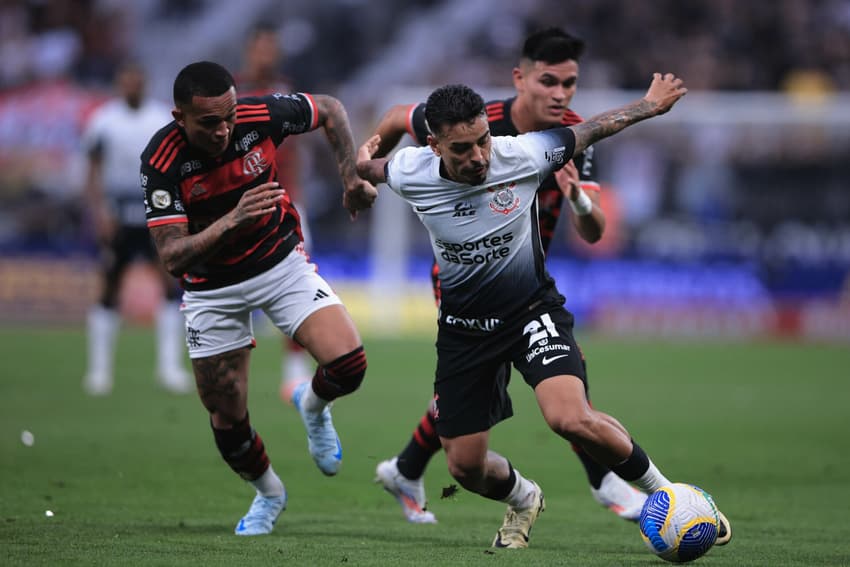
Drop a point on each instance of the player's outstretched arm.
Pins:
(661, 96)
(391, 129)
(372, 170)
(333, 118)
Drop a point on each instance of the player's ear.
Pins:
(178, 117)
(432, 143)
(517, 75)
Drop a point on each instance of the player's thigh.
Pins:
(551, 362)
(328, 333)
(470, 384)
(217, 321)
(303, 306)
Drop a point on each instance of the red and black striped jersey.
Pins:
(183, 185)
(288, 164)
(549, 196)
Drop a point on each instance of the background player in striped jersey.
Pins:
(223, 225)
(261, 75)
(498, 305)
(545, 80)
(114, 138)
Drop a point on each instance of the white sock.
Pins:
(310, 401)
(269, 484)
(296, 365)
(102, 326)
(170, 337)
(651, 480)
(522, 494)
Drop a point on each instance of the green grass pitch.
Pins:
(135, 479)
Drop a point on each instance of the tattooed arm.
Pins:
(661, 96)
(358, 194)
(180, 250)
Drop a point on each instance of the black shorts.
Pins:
(129, 243)
(473, 371)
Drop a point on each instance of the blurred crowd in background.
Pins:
(717, 208)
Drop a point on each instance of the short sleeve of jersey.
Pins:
(549, 150)
(163, 203)
(416, 125)
(294, 113)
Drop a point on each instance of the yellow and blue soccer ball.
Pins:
(679, 522)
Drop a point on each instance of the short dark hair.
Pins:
(203, 78)
(452, 104)
(552, 45)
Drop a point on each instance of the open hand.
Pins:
(664, 92)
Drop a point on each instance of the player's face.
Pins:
(465, 150)
(546, 89)
(209, 121)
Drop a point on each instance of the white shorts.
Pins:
(219, 320)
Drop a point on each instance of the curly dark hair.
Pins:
(204, 78)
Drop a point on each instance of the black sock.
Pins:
(594, 470)
(635, 466)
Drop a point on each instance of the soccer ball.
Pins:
(679, 522)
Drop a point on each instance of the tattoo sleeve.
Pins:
(334, 120)
(180, 250)
(610, 122)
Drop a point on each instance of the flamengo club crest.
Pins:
(254, 163)
(504, 201)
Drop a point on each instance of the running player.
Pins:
(222, 224)
(261, 75)
(114, 138)
(545, 81)
(498, 305)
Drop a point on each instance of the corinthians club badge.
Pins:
(504, 201)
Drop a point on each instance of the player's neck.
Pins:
(523, 118)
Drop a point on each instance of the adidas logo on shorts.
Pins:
(320, 294)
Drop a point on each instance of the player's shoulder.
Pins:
(164, 147)
(571, 117)
(497, 109)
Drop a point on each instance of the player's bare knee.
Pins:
(341, 376)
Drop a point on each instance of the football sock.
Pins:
(341, 376)
(242, 448)
(269, 484)
(651, 480)
(169, 336)
(103, 326)
(501, 490)
(594, 470)
(640, 471)
(522, 493)
(310, 401)
(424, 443)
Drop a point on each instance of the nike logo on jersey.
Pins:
(546, 360)
(423, 209)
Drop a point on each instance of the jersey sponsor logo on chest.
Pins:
(504, 201)
(464, 209)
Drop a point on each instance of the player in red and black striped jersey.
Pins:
(222, 224)
(261, 75)
(545, 82)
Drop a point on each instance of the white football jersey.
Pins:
(121, 134)
(485, 238)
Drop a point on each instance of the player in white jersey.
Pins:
(498, 305)
(114, 139)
